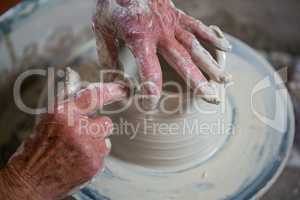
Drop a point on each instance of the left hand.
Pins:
(148, 26)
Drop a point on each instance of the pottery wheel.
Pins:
(240, 166)
(243, 165)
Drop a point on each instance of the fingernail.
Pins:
(227, 46)
(207, 89)
(149, 102)
(227, 78)
(108, 143)
(218, 31)
(209, 93)
(224, 43)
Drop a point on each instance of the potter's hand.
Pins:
(150, 25)
(61, 154)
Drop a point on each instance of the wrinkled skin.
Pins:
(62, 154)
(149, 27)
(59, 157)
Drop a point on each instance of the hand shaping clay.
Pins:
(182, 132)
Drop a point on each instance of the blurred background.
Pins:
(272, 27)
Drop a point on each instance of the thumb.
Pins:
(95, 96)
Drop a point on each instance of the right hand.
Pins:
(66, 149)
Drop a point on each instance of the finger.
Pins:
(150, 72)
(105, 147)
(106, 43)
(101, 148)
(94, 97)
(177, 56)
(95, 152)
(211, 34)
(95, 132)
(97, 128)
(201, 57)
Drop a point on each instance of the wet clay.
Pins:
(243, 164)
(184, 130)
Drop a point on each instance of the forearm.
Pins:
(12, 187)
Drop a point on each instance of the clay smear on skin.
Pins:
(200, 84)
(121, 11)
(135, 7)
(199, 53)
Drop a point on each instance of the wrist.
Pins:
(14, 187)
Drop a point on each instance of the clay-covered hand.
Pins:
(66, 149)
(151, 26)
